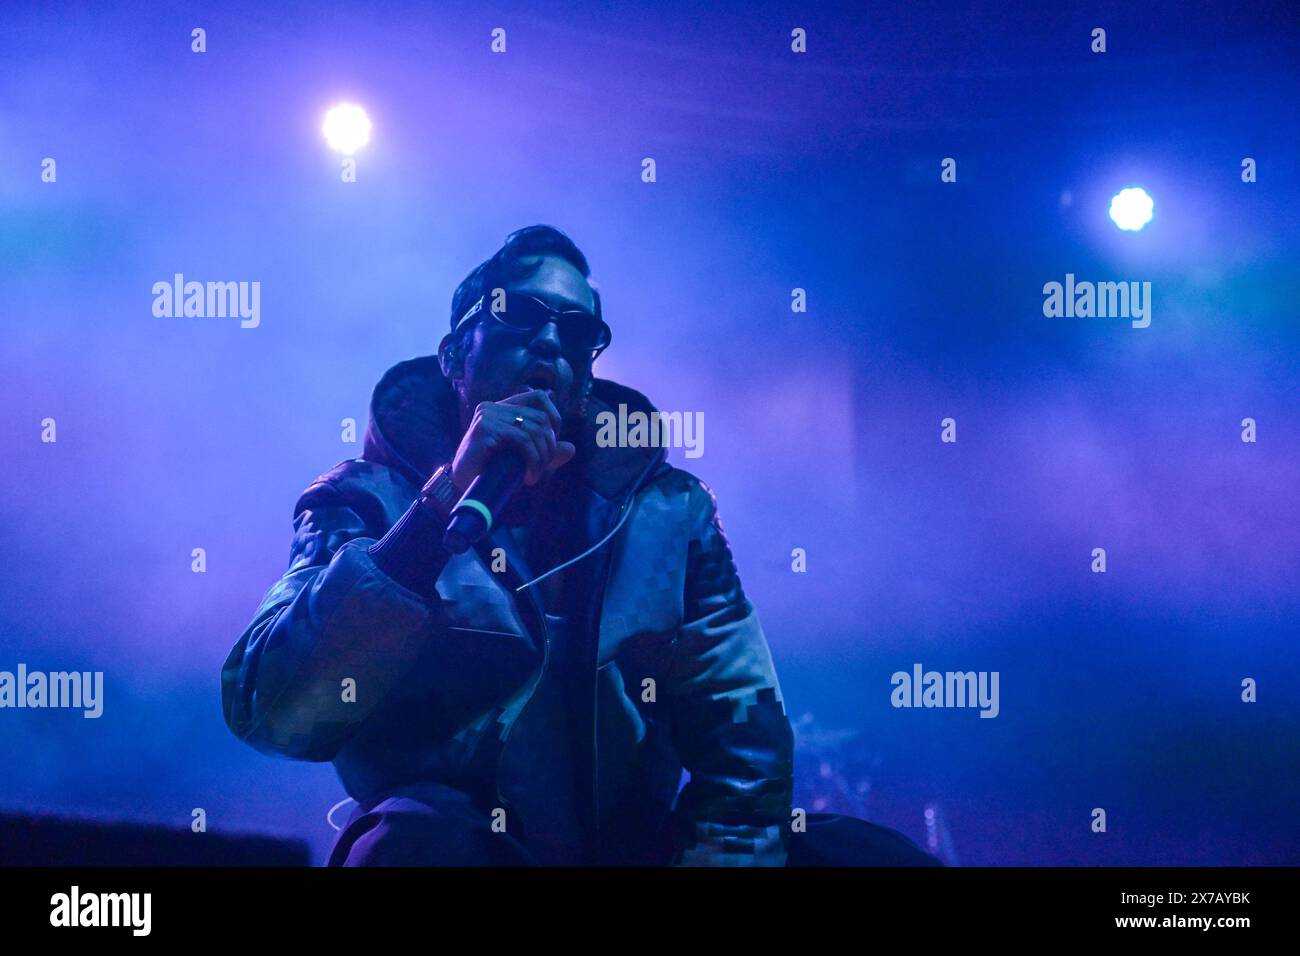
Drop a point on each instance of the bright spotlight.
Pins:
(1130, 208)
(347, 128)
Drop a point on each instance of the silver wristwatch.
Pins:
(440, 492)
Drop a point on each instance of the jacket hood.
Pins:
(415, 426)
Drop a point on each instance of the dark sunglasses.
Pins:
(580, 330)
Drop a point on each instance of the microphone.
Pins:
(487, 495)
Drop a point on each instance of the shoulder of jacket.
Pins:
(700, 501)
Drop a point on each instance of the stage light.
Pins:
(347, 128)
(1130, 208)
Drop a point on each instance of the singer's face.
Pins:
(500, 362)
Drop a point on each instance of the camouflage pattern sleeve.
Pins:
(729, 723)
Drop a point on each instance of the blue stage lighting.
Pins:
(1130, 208)
(347, 128)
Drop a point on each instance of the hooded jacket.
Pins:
(663, 665)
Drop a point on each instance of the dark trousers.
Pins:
(435, 825)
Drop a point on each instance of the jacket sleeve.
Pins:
(729, 723)
(330, 638)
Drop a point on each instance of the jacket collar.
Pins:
(415, 426)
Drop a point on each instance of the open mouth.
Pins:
(541, 376)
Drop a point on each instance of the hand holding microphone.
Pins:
(508, 443)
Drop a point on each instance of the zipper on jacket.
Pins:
(594, 615)
(598, 599)
(532, 691)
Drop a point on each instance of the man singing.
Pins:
(479, 721)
